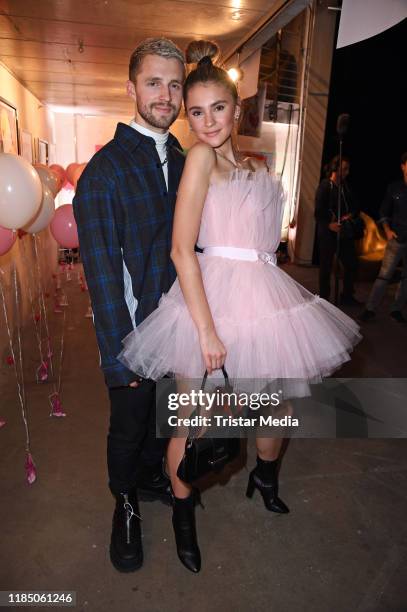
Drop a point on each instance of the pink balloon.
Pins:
(69, 172)
(60, 172)
(60, 180)
(7, 239)
(63, 227)
(76, 174)
(67, 185)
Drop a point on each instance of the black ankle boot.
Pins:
(154, 485)
(126, 550)
(264, 478)
(183, 521)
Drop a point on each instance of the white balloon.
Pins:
(48, 178)
(44, 215)
(20, 191)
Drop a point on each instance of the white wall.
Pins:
(32, 115)
(77, 137)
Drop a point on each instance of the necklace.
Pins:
(228, 160)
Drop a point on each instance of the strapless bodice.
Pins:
(243, 209)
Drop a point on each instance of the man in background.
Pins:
(393, 216)
(328, 226)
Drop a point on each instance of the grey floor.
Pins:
(343, 547)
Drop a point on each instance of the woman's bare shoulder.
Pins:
(201, 151)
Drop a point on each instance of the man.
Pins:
(393, 214)
(326, 205)
(124, 208)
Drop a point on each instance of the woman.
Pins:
(231, 304)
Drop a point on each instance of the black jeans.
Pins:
(347, 256)
(131, 442)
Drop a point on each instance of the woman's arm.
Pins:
(187, 219)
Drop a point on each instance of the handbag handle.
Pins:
(205, 376)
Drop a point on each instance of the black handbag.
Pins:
(203, 455)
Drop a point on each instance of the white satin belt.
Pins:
(242, 254)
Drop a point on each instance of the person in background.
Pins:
(328, 226)
(393, 217)
(124, 209)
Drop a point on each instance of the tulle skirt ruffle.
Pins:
(271, 326)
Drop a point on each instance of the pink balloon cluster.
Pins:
(27, 200)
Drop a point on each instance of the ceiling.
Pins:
(41, 42)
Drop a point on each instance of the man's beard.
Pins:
(158, 122)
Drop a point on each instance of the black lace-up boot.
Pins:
(126, 550)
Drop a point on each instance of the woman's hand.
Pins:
(213, 350)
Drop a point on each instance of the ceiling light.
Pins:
(236, 74)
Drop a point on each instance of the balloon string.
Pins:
(37, 324)
(61, 355)
(43, 308)
(20, 385)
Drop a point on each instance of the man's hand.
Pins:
(335, 227)
(390, 234)
(136, 383)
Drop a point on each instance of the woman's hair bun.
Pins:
(199, 49)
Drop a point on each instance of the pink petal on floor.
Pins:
(30, 469)
(56, 406)
(42, 372)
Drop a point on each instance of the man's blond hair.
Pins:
(153, 46)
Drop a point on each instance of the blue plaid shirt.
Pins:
(124, 212)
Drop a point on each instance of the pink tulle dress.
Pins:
(271, 326)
